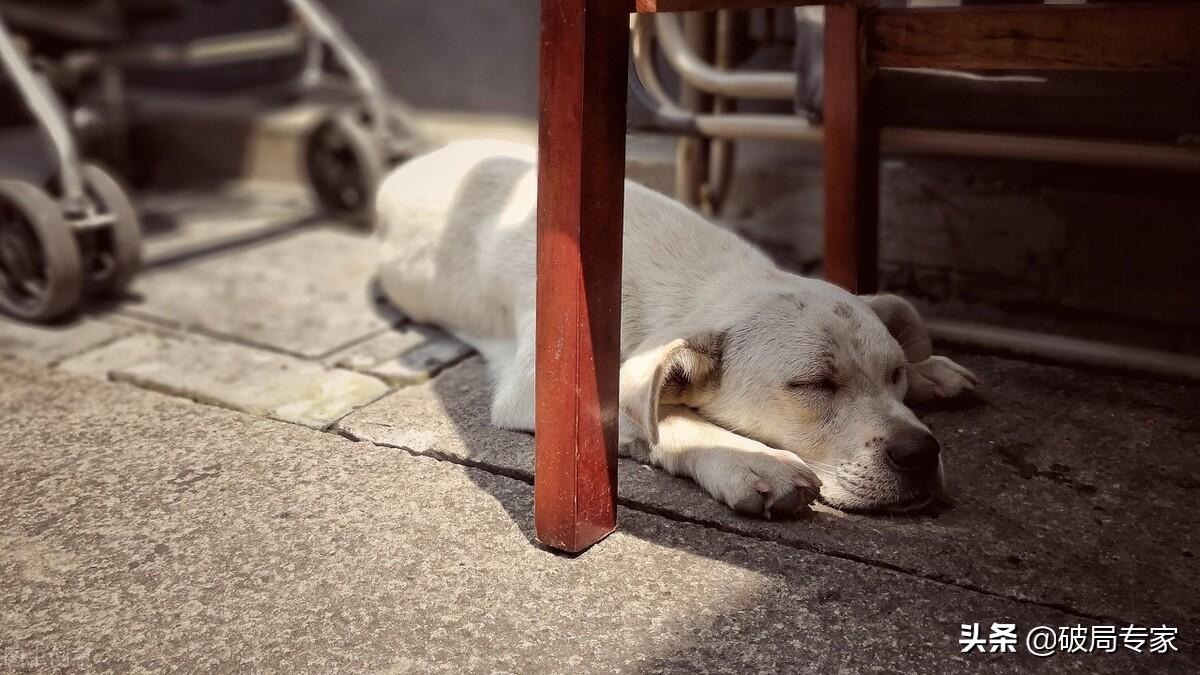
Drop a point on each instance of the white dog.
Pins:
(762, 386)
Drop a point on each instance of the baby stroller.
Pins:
(78, 233)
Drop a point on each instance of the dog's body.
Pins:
(746, 378)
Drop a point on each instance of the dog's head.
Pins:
(816, 371)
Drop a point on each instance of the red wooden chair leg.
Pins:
(581, 164)
(851, 156)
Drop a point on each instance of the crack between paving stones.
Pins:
(91, 348)
(181, 329)
(493, 469)
(168, 390)
(392, 387)
(441, 368)
(190, 329)
(332, 427)
(359, 340)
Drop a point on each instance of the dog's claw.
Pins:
(809, 482)
(808, 495)
(785, 504)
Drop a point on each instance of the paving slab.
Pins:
(406, 355)
(233, 376)
(1070, 489)
(50, 344)
(309, 293)
(127, 351)
(142, 533)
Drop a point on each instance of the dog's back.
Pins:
(455, 235)
(458, 230)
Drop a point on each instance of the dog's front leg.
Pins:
(513, 373)
(747, 476)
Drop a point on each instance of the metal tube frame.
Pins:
(52, 120)
(691, 152)
(721, 150)
(702, 76)
(215, 50)
(1065, 350)
(670, 117)
(365, 78)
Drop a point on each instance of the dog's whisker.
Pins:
(813, 462)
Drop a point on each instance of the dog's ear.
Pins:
(904, 323)
(669, 373)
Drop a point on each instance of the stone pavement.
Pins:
(252, 464)
(274, 315)
(147, 533)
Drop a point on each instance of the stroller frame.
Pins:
(346, 156)
(51, 117)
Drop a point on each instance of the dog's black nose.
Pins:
(914, 452)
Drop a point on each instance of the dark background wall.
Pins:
(455, 54)
(1108, 242)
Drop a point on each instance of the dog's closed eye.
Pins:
(824, 385)
(897, 374)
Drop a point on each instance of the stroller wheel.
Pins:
(345, 166)
(118, 254)
(111, 255)
(41, 272)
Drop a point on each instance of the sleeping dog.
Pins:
(762, 386)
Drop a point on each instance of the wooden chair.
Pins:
(581, 163)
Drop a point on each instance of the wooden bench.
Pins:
(581, 164)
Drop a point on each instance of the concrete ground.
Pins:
(252, 464)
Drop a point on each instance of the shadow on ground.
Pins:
(1069, 494)
(1043, 525)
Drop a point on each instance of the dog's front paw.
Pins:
(767, 484)
(938, 377)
